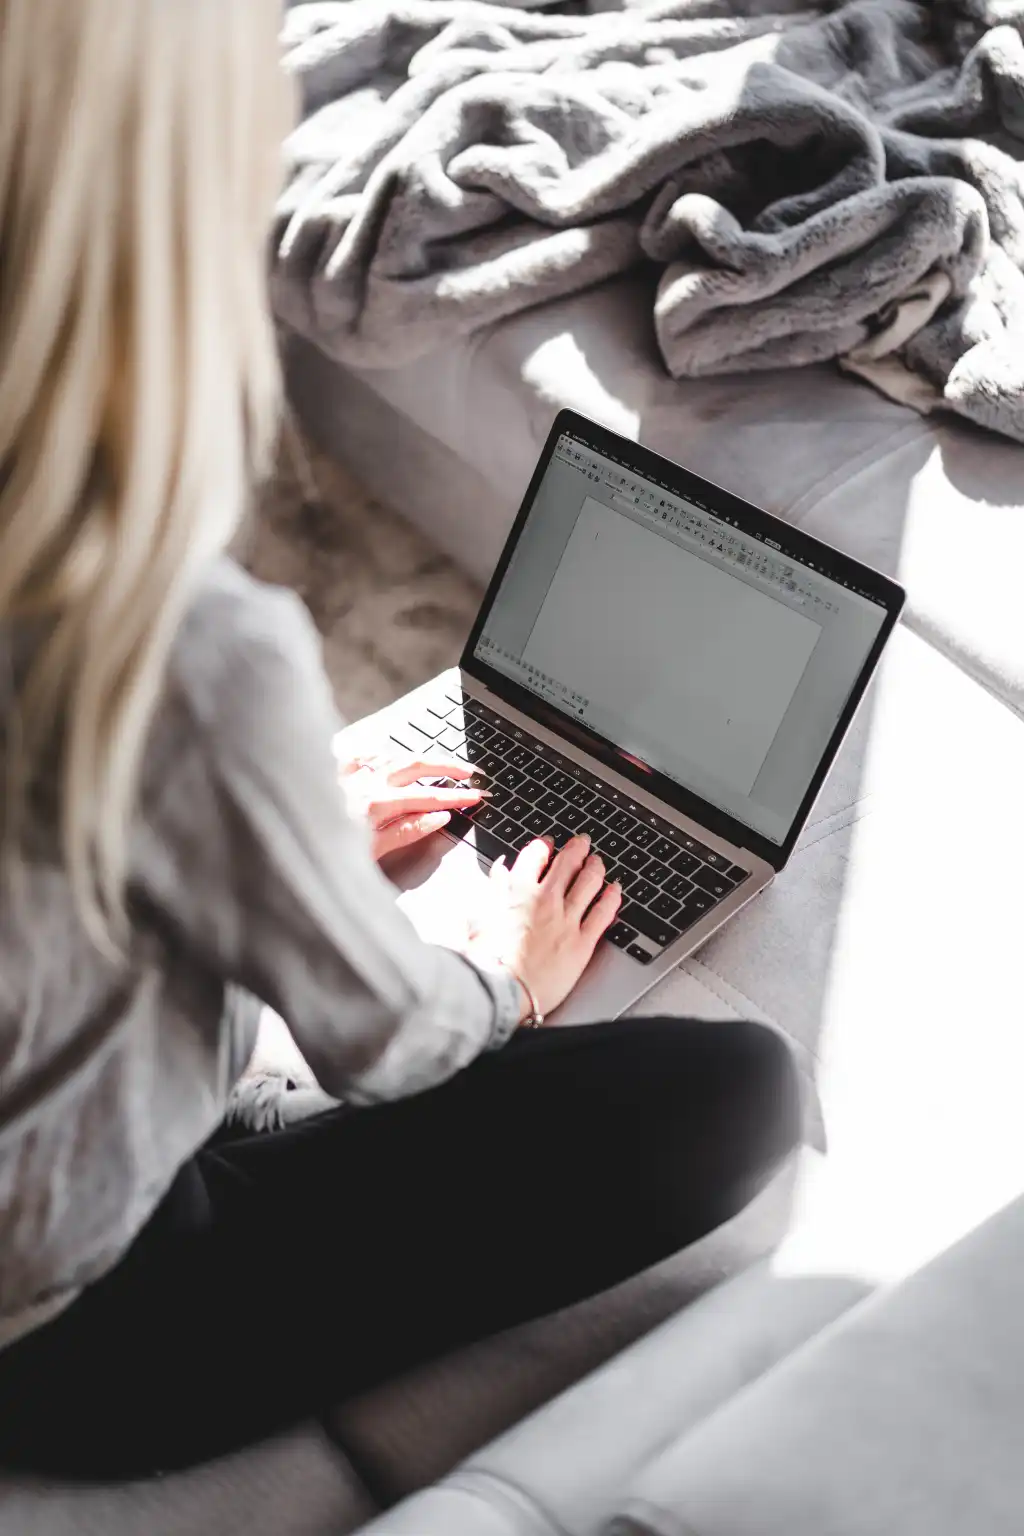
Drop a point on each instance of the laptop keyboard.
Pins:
(669, 880)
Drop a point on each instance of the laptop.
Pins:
(661, 665)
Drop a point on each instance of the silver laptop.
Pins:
(663, 666)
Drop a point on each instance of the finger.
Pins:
(532, 861)
(410, 830)
(601, 915)
(585, 887)
(566, 865)
(386, 808)
(499, 869)
(420, 768)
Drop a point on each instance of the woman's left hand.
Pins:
(383, 788)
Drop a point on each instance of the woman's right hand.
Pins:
(545, 917)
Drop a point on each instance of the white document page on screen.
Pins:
(696, 664)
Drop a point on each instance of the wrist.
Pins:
(530, 1016)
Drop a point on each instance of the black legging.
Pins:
(288, 1271)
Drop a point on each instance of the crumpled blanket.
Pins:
(803, 182)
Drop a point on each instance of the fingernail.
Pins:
(438, 818)
(482, 794)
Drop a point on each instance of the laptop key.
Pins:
(519, 757)
(684, 863)
(478, 730)
(442, 707)
(427, 725)
(715, 860)
(636, 953)
(559, 783)
(664, 850)
(450, 739)
(693, 846)
(510, 777)
(550, 804)
(507, 830)
(572, 817)
(698, 902)
(657, 873)
(648, 923)
(711, 881)
(612, 845)
(488, 763)
(580, 796)
(531, 791)
(522, 840)
(541, 770)
(536, 822)
(642, 890)
(490, 846)
(677, 887)
(517, 809)
(621, 935)
(559, 835)
(500, 744)
(489, 817)
(595, 830)
(635, 858)
(661, 906)
(456, 694)
(601, 809)
(458, 824)
(641, 836)
(620, 822)
(736, 874)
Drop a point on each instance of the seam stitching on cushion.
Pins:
(504, 1486)
(764, 1015)
(845, 474)
(830, 832)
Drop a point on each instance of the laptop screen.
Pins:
(705, 652)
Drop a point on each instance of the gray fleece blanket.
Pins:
(803, 182)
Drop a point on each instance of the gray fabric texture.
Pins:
(249, 884)
(295, 1485)
(801, 184)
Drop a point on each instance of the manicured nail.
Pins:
(438, 818)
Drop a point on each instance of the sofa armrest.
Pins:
(906, 1417)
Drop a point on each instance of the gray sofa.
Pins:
(887, 952)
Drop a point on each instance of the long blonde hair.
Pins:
(140, 152)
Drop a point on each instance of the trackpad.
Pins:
(441, 885)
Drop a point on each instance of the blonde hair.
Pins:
(140, 153)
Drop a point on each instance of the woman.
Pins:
(176, 853)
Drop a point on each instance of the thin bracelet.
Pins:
(534, 1019)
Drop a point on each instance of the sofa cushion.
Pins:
(295, 1485)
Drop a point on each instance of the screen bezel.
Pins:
(749, 519)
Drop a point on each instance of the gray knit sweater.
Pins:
(249, 885)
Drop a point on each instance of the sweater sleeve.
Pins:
(251, 860)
